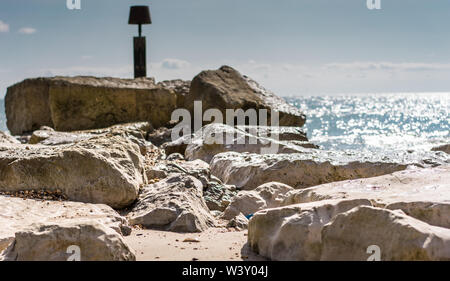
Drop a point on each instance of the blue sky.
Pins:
(293, 47)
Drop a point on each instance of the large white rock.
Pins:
(420, 193)
(18, 214)
(311, 167)
(6, 138)
(93, 241)
(294, 232)
(217, 138)
(269, 195)
(106, 169)
(173, 204)
(398, 237)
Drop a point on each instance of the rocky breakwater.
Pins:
(404, 215)
(81, 103)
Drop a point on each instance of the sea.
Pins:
(376, 122)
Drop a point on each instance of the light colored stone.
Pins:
(81, 103)
(420, 193)
(226, 88)
(240, 222)
(106, 169)
(18, 214)
(398, 236)
(311, 167)
(277, 132)
(294, 232)
(173, 204)
(6, 138)
(217, 138)
(443, 148)
(51, 242)
(269, 195)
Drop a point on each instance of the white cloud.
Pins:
(174, 64)
(4, 27)
(27, 30)
(364, 66)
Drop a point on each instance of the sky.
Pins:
(292, 47)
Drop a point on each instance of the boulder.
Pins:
(6, 138)
(173, 204)
(82, 103)
(216, 138)
(311, 167)
(294, 232)
(444, 148)
(398, 237)
(218, 196)
(226, 88)
(269, 195)
(240, 222)
(278, 132)
(19, 214)
(104, 169)
(59, 242)
(421, 193)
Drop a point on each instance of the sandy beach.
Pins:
(215, 244)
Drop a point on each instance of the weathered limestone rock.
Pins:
(311, 167)
(135, 132)
(294, 232)
(218, 196)
(240, 222)
(51, 242)
(6, 138)
(106, 169)
(277, 132)
(18, 214)
(444, 148)
(81, 103)
(269, 195)
(216, 138)
(399, 237)
(226, 88)
(421, 193)
(173, 204)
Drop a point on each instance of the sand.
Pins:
(216, 244)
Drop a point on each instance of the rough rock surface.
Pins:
(226, 88)
(18, 214)
(48, 136)
(52, 242)
(240, 222)
(6, 138)
(173, 204)
(269, 195)
(421, 193)
(444, 148)
(399, 237)
(311, 167)
(81, 103)
(216, 138)
(106, 169)
(277, 132)
(294, 232)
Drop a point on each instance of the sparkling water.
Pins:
(377, 122)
